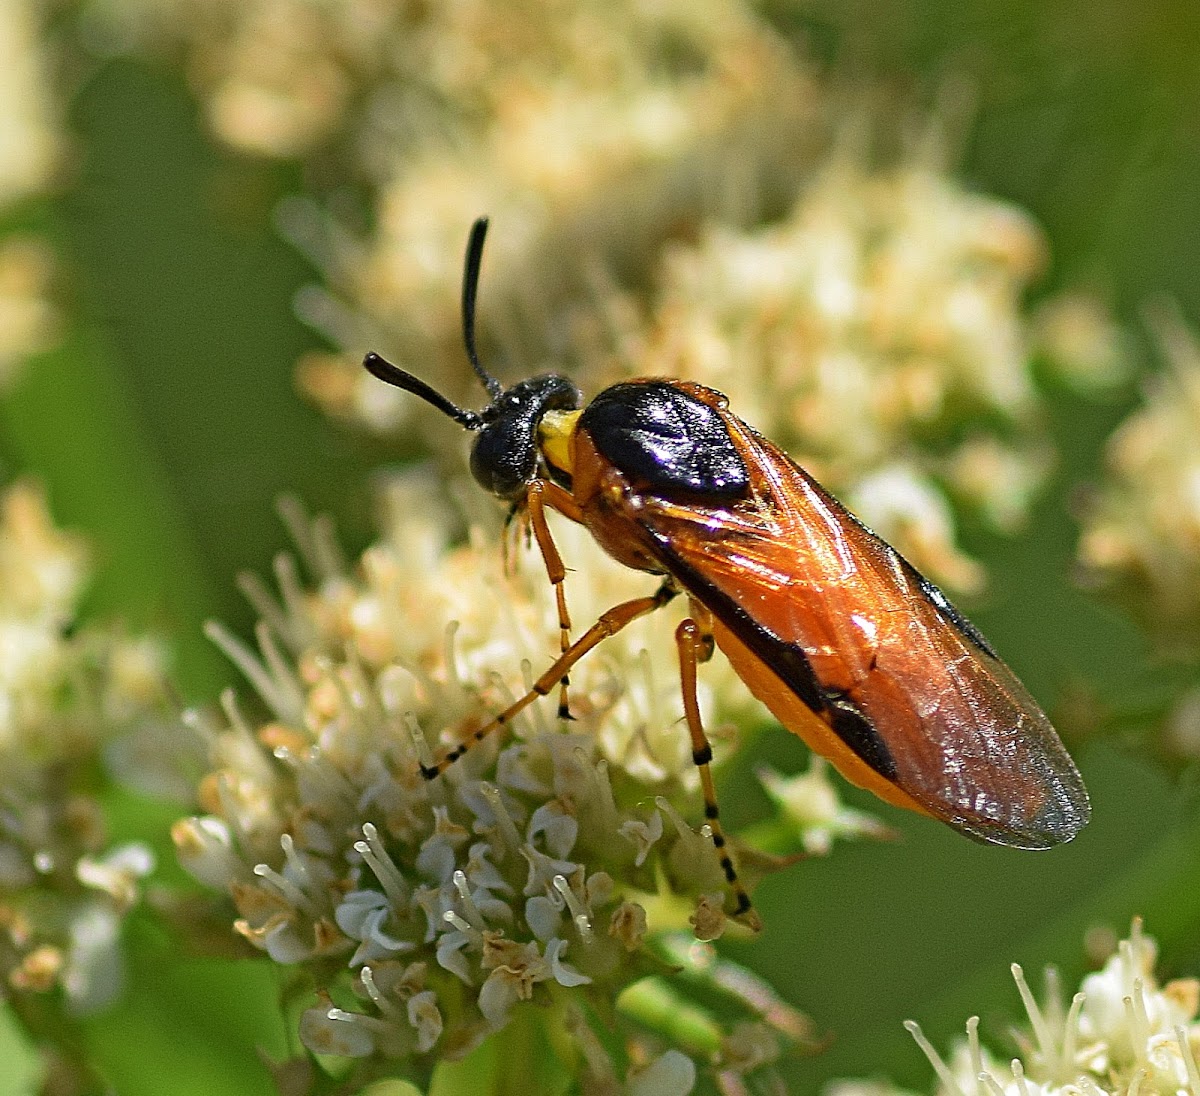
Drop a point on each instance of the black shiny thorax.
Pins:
(504, 459)
(666, 438)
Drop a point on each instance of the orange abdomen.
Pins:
(798, 718)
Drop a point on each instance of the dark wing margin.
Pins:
(789, 662)
(942, 604)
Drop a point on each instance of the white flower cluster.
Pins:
(530, 112)
(877, 333)
(29, 138)
(538, 865)
(876, 330)
(1144, 526)
(63, 699)
(42, 571)
(282, 77)
(29, 152)
(1122, 1034)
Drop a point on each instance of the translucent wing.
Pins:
(825, 621)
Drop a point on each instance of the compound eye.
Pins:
(504, 460)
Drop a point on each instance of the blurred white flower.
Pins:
(867, 332)
(29, 137)
(28, 321)
(1143, 526)
(809, 802)
(65, 698)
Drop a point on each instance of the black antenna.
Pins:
(393, 374)
(470, 286)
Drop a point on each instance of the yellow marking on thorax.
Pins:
(555, 432)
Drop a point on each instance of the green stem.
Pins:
(654, 1003)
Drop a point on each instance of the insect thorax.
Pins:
(666, 439)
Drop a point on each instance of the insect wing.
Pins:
(872, 649)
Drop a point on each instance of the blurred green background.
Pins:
(167, 423)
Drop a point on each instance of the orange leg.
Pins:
(559, 498)
(540, 494)
(695, 642)
(609, 624)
